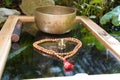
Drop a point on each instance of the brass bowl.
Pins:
(55, 19)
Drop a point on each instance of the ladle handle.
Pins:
(17, 31)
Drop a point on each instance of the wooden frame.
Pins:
(5, 36)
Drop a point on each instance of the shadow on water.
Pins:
(24, 62)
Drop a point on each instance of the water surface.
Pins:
(24, 62)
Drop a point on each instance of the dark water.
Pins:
(23, 62)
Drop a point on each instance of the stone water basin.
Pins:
(27, 63)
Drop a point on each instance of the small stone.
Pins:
(55, 69)
(5, 12)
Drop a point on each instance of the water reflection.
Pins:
(54, 46)
(30, 64)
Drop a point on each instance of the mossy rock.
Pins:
(30, 28)
(28, 6)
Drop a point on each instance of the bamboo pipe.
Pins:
(106, 39)
(26, 18)
(5, 40)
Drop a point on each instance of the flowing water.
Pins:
(25, 63)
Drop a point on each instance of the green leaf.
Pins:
(8, 2)
(116, 10)
(16, 52)
(93, 16)
(106, 18)
(116, 34)
(113, 16)
(96, 1)
(115, 21)
(91, 40)
(99, 45)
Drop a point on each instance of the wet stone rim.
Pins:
(61, 56)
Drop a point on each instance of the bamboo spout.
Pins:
(106, 39)
(5, 40)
